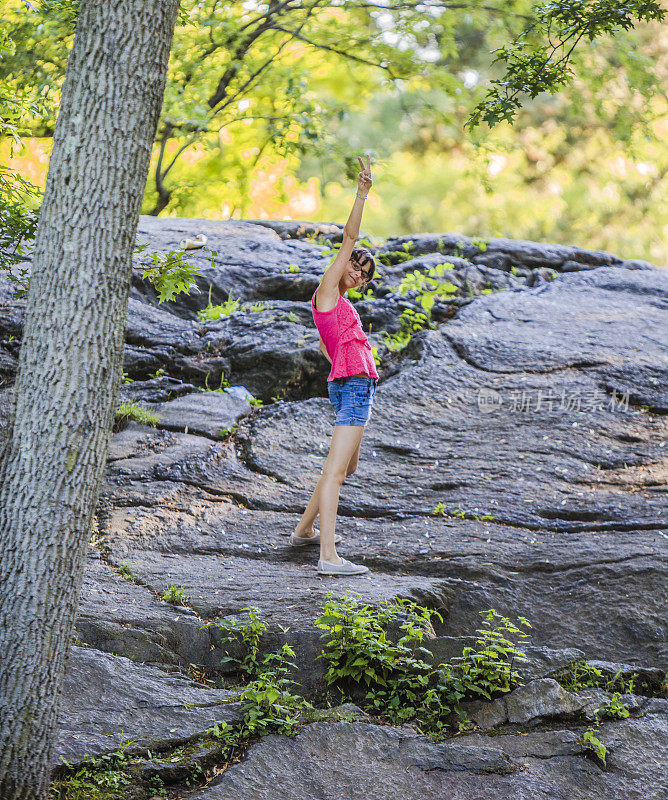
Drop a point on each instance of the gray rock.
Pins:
(535, 702)
(539, 699)
(203, 413)
(107, 700)
(154, 390)
(294, 229)
(119, 616)
(358, 761)
(218, 586)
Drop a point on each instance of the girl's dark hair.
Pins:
(364, 257)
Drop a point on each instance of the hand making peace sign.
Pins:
(364, 181)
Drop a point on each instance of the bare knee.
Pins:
(334, 475)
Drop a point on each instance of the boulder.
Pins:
(107, 700)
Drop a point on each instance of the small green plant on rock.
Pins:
(391, 257)
(224, 383)
(269, 704)
(427, 287)
(127, 411)
(102, 778)
(487, 669)
(613, 709)
(175, 594)
(355, 294)
(159, 373)
(213, 313)
(582, 675)
(411, 321)
(125, 572)
(224, 433)
(594, 745)
(248, 634)
(481, 244)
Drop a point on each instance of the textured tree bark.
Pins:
(70, 364)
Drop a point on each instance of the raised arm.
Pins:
(329, 285)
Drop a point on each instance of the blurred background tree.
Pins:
(532, 121)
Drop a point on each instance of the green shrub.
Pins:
(401, 684)
(392, 257)
(357, 646)
(487, 669)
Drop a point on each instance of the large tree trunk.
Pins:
(70, 364)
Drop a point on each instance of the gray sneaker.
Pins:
(300, 541)
(344, 568)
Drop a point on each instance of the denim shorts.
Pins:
(352, 398)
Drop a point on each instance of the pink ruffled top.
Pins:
(345, 341)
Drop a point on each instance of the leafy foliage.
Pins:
(401, 682)
(537, 60)
(284, 116)
(613, 709)
(18, 223)
(248, 634)
(170, 274)
(582, 675)
(487, 668)
(269, 704)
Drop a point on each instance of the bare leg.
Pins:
(305, 525)
(325, 499)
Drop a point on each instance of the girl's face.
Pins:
(353, 277)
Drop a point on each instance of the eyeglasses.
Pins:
(358, 268)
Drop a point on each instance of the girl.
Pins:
(351, 384)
